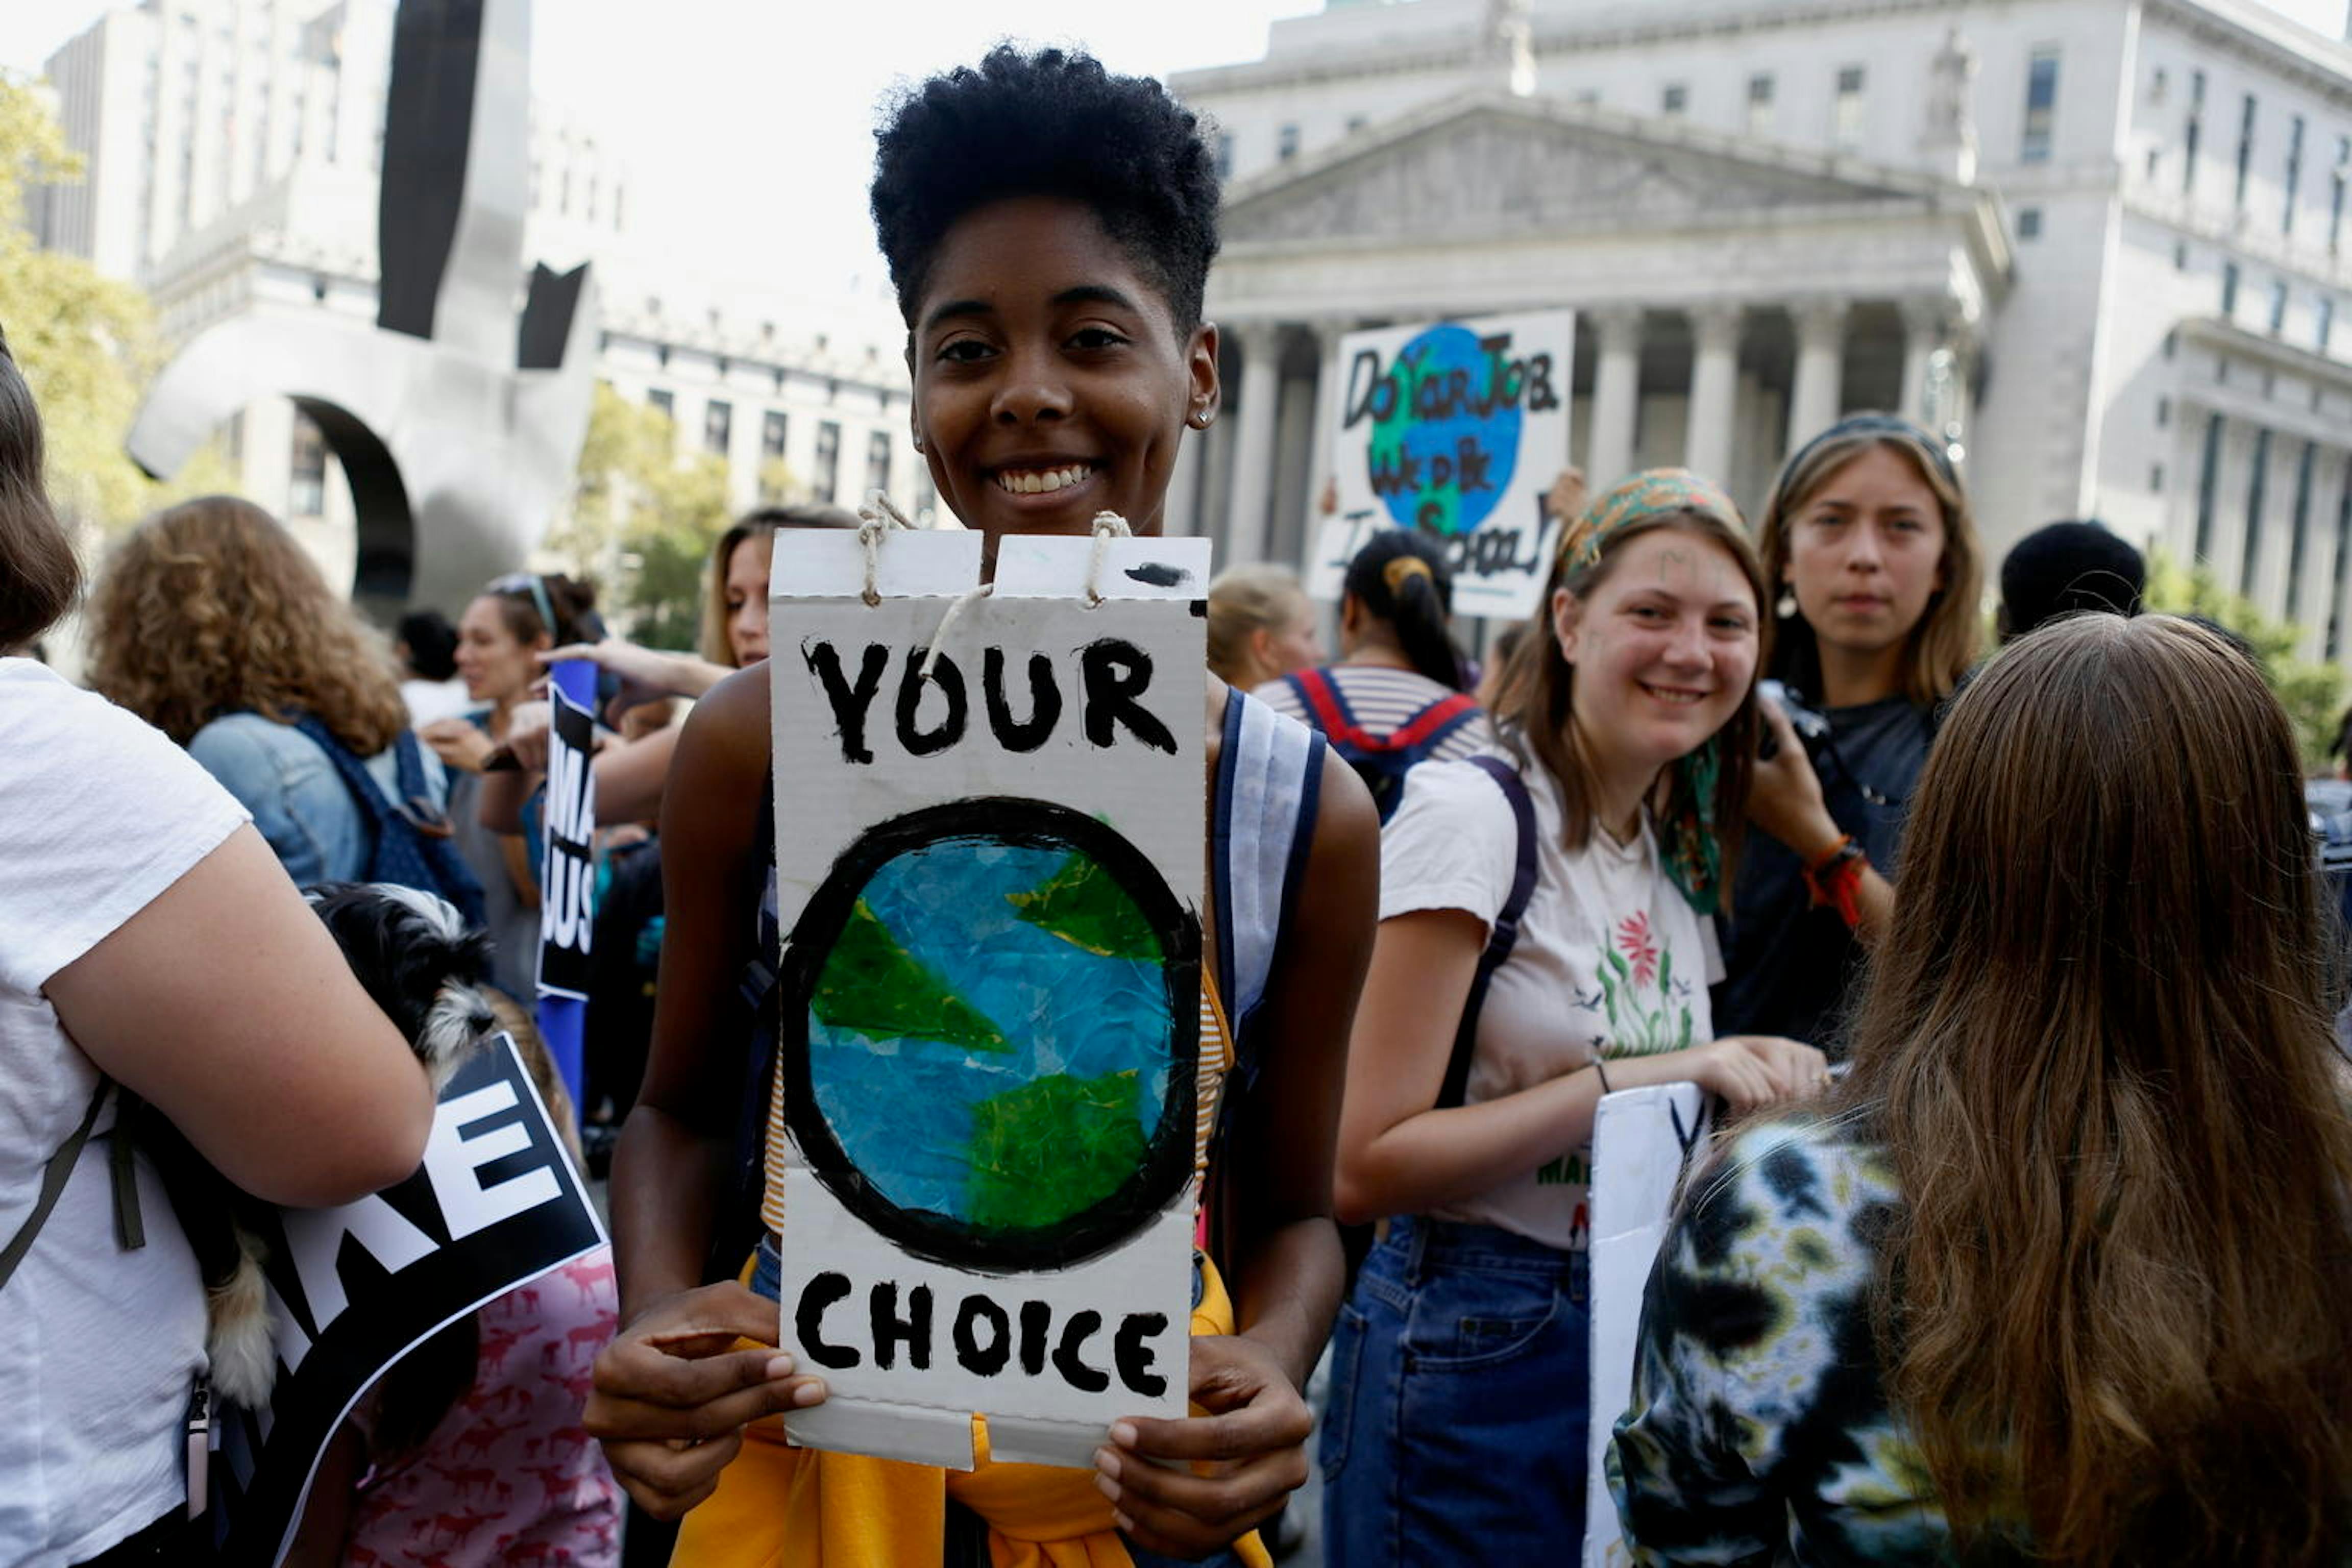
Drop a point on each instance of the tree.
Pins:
(643, 521)
(86, 343)
(2311, 691)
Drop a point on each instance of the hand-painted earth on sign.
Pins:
(1444, 445)
(990, 1036)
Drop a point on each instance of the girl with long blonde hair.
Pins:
(2062, 1276)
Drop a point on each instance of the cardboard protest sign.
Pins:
(567, 878)
(989, 874)
(1644, 1142)
(352, 1289)
(1456, 429)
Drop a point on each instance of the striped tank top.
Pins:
(1263, 810)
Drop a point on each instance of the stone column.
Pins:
(1923, 334)
(1616, 395)
(1714, 390)
(1251, 495)
(1330, 383)
(2314, 595)
(1817, 389)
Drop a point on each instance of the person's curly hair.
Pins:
(210, 607)
(1051, 124)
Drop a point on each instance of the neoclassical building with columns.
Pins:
(2097, 244)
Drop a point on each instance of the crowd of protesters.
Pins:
(2009, 969)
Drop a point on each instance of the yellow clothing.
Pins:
(782, 1506)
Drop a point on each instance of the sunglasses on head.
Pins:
(1879, 425)
(531, 582)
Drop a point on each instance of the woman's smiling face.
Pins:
(1051, 382)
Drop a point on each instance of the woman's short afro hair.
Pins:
(1054, 124)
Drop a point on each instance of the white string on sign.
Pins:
(940, 636)
(877, 516)
(1108, 525)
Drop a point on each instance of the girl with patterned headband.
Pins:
(1544, 907)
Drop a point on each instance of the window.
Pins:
(2297, 546)
(828, 461)
(1845, 127)
(1357, 122)
(1675, 99)
(878, 460)
(2257, 483)
(2180, 256)
(1759, 104)
(305, 491)
(2040, 105)
(2188, 140)
(1286, 142)
(2196, 90)
(717, 426)
(2029, 223)
(774, 426)
(2229, 289)
(2278, 306)
(2163, 412)
(2154, 164)
(2156, 478)
(1224, 155)
(2343, 567)
(2245, 146)
(2293, 174)
(2172, 343)
(661, 403)
(2208, 474)
(2323, 324)
(2335, 181)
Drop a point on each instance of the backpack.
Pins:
(411, 841)
(1380, 760)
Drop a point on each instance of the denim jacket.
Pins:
(298, 804)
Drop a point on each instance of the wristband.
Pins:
(1835, 881)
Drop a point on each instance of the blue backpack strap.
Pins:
(1269, 777)
(410, 840)
(1502, 936)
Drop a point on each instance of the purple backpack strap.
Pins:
(1502, 936)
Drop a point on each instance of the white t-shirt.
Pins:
(99, 1347)
(1611, 959)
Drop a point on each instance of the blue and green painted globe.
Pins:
(996, 1054)
(1409, 441)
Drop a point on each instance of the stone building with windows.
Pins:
(2099, 243)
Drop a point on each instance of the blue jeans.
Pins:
(1460, 1395)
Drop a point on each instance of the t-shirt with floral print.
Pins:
(1760, 1431)
(1611, 961)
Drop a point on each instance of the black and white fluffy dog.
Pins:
(420, 961)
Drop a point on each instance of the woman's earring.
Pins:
(1786, 606)
(1200, 416)
(919, 443)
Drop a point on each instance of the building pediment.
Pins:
(1492, 165)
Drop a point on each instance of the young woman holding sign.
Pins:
(1601, 831)
(1049, 227)
(2059, 1274)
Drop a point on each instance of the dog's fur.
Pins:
(420, 961)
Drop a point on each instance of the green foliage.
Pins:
(2311, 691)
(643, 521)
(86, 343)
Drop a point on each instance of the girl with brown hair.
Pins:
(1869, 544)
(1543, 907)
(216, 627)
(2060, 1276)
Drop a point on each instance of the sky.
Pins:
(748, 128)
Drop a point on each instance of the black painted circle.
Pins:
(1167, 1166)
